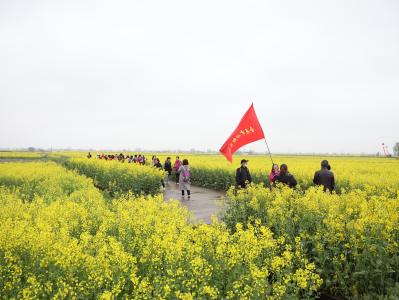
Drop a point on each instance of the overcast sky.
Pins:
(323, 75)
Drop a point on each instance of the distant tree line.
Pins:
(396, 149)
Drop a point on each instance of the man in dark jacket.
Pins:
(325, 177)
(285, 177)
(168, 166)
(242, 175)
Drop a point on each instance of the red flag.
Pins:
(248, 131)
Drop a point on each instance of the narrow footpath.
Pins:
(204, 203)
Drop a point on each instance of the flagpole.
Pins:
(270, 154)
(268, 149)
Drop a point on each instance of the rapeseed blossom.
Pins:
(61, 238)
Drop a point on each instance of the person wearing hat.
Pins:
(325, 177)
(243, 176)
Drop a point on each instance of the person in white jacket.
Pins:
(185, 178)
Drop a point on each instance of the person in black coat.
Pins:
(325, 177)
(168, 166)
(243, 176)
(285, 177)
(158, 165)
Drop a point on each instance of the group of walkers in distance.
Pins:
(181, 170)
(136, 159)
(279, 174)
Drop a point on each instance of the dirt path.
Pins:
(203, 203)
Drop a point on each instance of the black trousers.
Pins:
(188, 192)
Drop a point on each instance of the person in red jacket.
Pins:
(176, 168)
(273, 174)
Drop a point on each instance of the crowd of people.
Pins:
(181, 171)
(279, 174)
(180, 168)
(136, 159)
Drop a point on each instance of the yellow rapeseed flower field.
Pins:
(118, 178)
(85, 228)
(70, 242)
(377, 175)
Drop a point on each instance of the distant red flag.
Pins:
(248, 131)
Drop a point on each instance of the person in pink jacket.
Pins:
(176, 168)
(273, 174)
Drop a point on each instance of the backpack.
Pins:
(186, 175)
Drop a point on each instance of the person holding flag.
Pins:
(247, 131)
(273, 174)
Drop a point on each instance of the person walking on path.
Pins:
(285, 177)
(168, 166)
(243, 176)
(185, 178)
(325, 177)
(273, 174)
(176, 168)
(158, 165)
